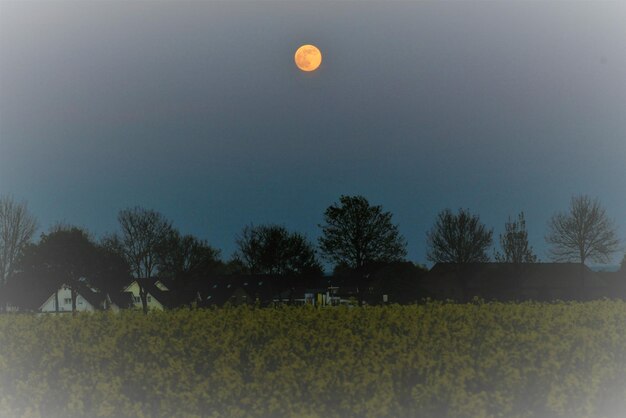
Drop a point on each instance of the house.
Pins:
(29, 293)
(396, 282)
(233, 290)
(118, 300)
(513, 282)
(261, 289)
(381, 282)
(330, 296)
(158, 295)
(86, 300)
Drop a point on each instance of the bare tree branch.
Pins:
(458, 238)
(514, 243)
(17, 227)
(584, 233)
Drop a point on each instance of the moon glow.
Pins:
(308, 58)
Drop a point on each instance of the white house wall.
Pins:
(65, 302)
(152, 303)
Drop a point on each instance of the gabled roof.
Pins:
(93, 298)
(166, 298)
(122, 300)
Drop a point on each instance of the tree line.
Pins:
(354, 233)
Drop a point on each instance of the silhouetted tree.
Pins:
(112, 271)
(186, 256)
(143, 235)
(460, 238)
(17, 227)
(63, 257)
(357, 233)
(585, 232)
(271, 249)
(233, 266)
(514, 243)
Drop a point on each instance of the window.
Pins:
(67, 301)
(136, 299)
(149, 298)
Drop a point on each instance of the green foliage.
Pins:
(435, 360)
(356, 233)
(460, 238)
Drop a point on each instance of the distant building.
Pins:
(514, 282)
(158, 295)
(86, 300)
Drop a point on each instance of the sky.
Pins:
(196, 110)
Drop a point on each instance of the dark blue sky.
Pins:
(198, 111)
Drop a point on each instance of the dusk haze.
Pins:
(312, 209)
(196, 110)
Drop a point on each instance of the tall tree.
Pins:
(356, 233)
(143, 235)
(187, 256)
(17, 227)
(460, 238)
(271, 249)
(64, 256)
(112, 271)
(514, 243)
(584, 233)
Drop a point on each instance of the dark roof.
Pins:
(122, 300)
(531, 274)
(167, 298)
(616, 281)
(218, 289)
(95, 299)
(263, 287)
(509, 280)
(29, 292)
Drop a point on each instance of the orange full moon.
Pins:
(308, 57)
